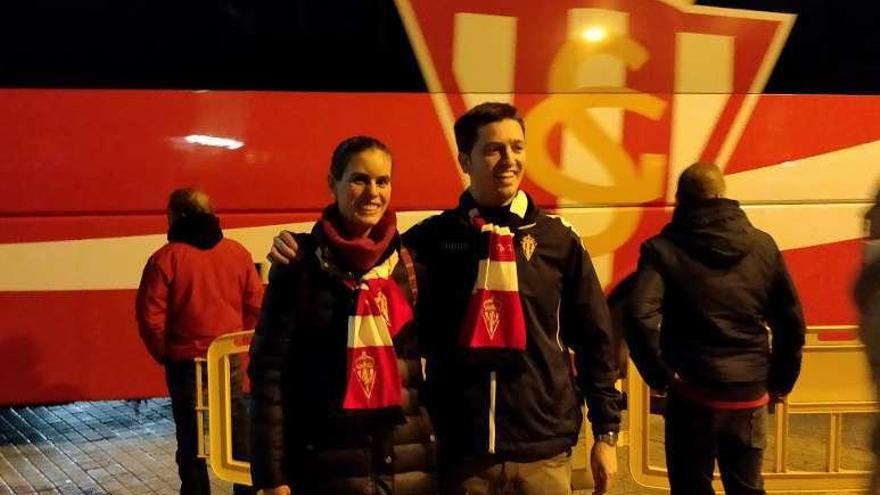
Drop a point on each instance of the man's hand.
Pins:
(603, 462)
(284, 248)
(278, 490)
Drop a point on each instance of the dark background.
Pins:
(337, 45)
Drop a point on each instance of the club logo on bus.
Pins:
(619, 95)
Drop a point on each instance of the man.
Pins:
(867, 296)
(710, 284)
(193, 289)
(508, 291)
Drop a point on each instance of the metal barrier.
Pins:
(219, 411)
(819, 391)
(834, 381)
(217, 417)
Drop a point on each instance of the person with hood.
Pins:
(194, 289)
(707, 288)
(867, 297)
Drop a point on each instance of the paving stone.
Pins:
(100, 448)
(120, 447)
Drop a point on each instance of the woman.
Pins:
(334, 345)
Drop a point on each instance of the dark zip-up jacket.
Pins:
(867, 297)
(707, 288)
(534, 411)
(301, 435)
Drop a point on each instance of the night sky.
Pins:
(337, 45)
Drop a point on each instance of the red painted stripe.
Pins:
(824, 276)
(53, 160)
(73, 345)
(63, 227)
(837, 336)
(824, 123)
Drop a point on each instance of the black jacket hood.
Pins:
(714, 231)
(201, 231)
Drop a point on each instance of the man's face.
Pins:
(496, 163)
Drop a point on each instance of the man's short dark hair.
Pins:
(467, 126)
(701, 180)
(189, 201)
(345, 150)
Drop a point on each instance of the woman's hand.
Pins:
(284, 248)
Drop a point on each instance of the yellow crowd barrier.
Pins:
(835, 382)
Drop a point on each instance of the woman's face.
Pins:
(364, 190)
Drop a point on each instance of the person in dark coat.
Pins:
(334, 368)
(707, 289)
(867, 297)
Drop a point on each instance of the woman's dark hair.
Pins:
(345, 150)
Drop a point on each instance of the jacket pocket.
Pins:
(758, 428)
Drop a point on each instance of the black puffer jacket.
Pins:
(301, 435)
(709, 282)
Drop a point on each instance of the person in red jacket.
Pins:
(193, 289)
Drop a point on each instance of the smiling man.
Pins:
(507, 292)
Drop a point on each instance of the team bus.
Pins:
(107, 107)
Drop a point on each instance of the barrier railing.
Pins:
(835, 382)
(216, 419)
(219, 411)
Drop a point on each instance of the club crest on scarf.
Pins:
(381, 302)
(528, 244)
(491, 315)
(503, 249)
(365, 369)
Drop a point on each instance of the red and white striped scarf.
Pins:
(380, 311)
(494, 319)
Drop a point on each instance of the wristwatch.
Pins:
(610, 438)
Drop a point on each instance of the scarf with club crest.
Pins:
(380, 310)
(494, 328)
